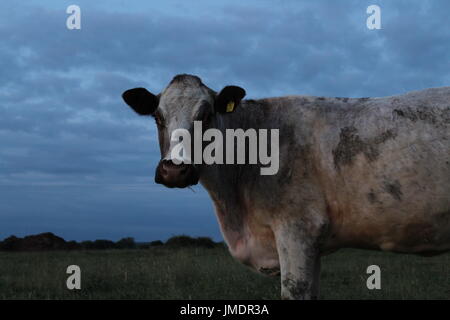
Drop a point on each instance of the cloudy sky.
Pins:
(76, 161)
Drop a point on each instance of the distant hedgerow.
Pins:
(187, 241)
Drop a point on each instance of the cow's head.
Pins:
(185, 100)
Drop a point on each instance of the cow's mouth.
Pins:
(176, 176)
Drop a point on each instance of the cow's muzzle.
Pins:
(176, 176)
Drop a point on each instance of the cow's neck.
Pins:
(227, 183)
(231, 186)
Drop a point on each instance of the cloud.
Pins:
(62, 121)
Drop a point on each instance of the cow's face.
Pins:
(184, 101)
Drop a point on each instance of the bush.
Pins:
(126, 243)
(38, 242)
(187, 241)
(103, 244)
(73, 245)
(205, 242)
(87, 245)
(181, 241)
(11, 243)
(156, 243)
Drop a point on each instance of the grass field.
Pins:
(200, 273)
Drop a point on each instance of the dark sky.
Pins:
(76, 161)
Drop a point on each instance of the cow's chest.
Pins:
(250, 242)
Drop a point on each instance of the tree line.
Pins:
(48, 241)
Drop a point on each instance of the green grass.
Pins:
(200, 273)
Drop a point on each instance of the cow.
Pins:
(371, 173)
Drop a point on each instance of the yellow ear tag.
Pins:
(230, 106)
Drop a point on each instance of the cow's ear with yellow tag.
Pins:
(228, 99)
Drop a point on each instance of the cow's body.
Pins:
(365, 173)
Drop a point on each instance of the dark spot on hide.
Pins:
(372, 197)
(426, 114)
(350, 145)
(394, 189)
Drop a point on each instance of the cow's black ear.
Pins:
(141, 100)
(228, 99)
